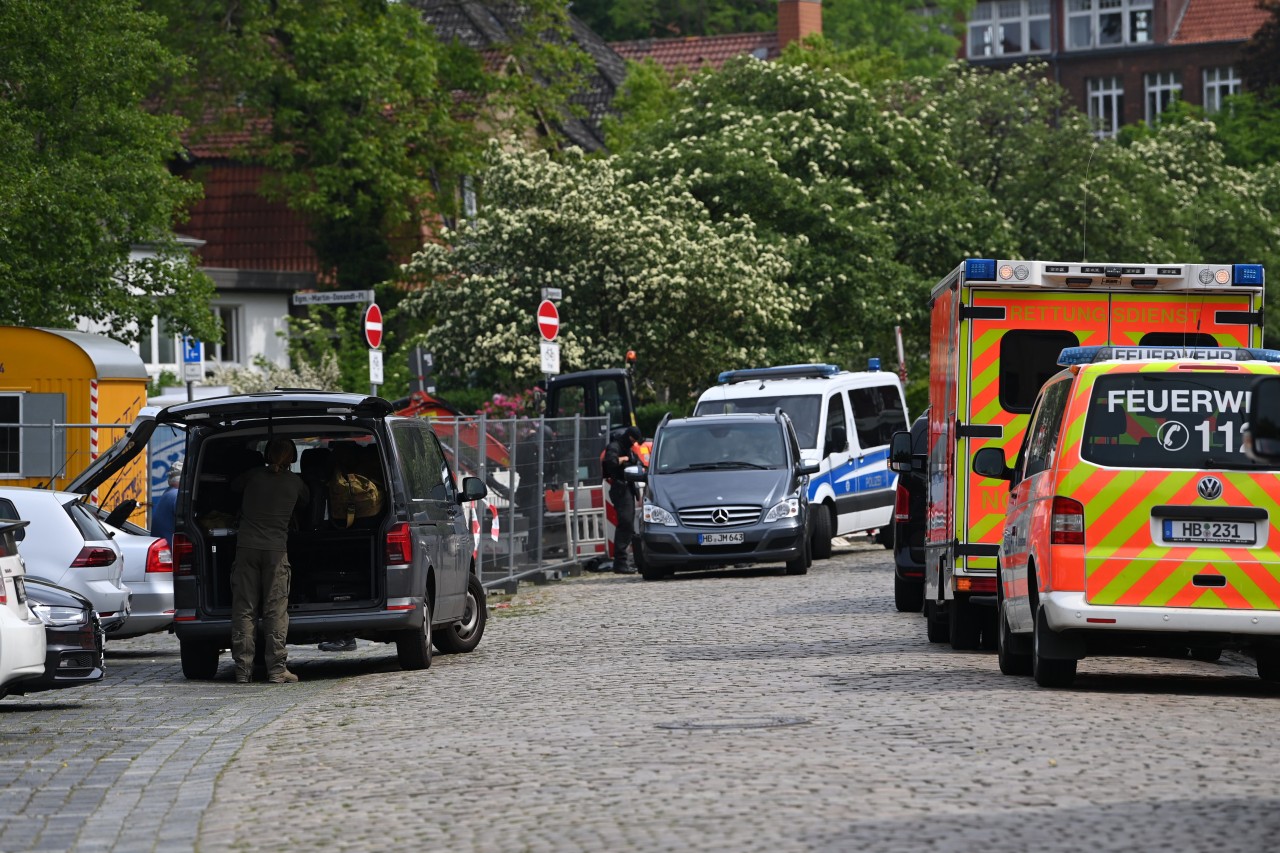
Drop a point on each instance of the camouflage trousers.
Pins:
(259, 591)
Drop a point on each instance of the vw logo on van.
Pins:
(1209, 488)
(720, 516)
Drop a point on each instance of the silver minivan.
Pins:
(404, 575)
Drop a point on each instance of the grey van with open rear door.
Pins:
(402, 575)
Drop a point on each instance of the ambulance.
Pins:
(1137, 523)
(997, 329)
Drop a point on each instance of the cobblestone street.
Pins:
(741, 710)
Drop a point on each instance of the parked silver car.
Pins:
(148, 572)
(67, 545)
(22, 642)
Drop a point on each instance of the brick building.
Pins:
(1123, 61)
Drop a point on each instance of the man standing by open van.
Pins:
(260, 573)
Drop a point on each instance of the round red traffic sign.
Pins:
(373, 325)
(548, 320)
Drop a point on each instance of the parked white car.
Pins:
(22, 643)
(148, 572)
(67, 545)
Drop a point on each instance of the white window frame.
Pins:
(1104, 91)
(231, 351)
(1219, 83)
(15, 429)
(1093, 11)
(992, 16)
(1160, 88)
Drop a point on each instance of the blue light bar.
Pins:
(979, 269)
(783, 371)
(873, 363)
(1088, 355)
(1078, 355)
(1248, 275)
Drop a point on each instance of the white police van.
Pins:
(844, 420)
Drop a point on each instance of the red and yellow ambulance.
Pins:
(1137, 524)
(998, 327)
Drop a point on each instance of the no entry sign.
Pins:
(373, 325)
(548, 320)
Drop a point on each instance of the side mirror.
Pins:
(807, 468)
(989, 462)
(1262, 437)
(900, 452)
(122, 511)
(19, 534)
(837, 442)
(473, 489)
(635, 474)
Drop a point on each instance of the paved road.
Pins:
(731, 711)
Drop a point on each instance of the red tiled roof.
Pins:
(1219, 21)
(243, 230)
(694, 53)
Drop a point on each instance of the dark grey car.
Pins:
(724, 490)
(404, 574)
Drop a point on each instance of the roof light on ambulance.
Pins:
(1222, 276)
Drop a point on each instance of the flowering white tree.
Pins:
(641, 265)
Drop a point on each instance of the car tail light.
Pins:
(182, 555)
(4, 591)
(399, 544)
(93, 558)
(1067, 524)
(901, 504)
(159, 557)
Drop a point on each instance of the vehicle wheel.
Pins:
(1206, 655)
(199, 659)
(1011, 663)
(413, 645)
(821, 539)
(885, 537)
(935, 617)
(650, 573)
(908, 596)
(1049, 672)
(964, 624)
(1268, 664)
(800, 565)
(464, 635)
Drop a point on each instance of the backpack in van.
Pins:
(353, 496)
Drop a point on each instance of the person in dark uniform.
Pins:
(620, 452)
(260, 572)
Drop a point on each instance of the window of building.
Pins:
(228, 348)
(1009, 27)
(10, 435)
(1107, 23)
(1218, 84)
(1106, 105)
(158, 343)
(1162, 87)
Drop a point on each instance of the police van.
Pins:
(844, 421)
(1137, 524)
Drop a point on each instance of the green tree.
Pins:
(83, 173)
(1260, 59)
(640, 263)
(921, 34)
(619, 20)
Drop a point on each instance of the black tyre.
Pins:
(1206, 655)
(464, 635)
(199, 659)
(413, 645)
(935, 619)
(964, 625)
(1268, 664)
(1049, 672)
(800, 565)
(821, 539)
(1011, 663)
(884, 536)
(908, 595)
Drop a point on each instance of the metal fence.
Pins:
(545, 512)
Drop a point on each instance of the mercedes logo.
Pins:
(720, 516)
(1209, 488)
